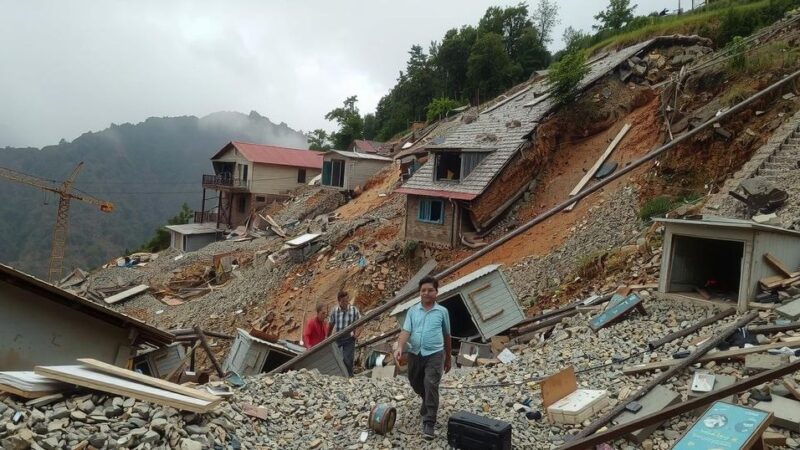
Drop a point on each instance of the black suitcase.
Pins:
(467, 431)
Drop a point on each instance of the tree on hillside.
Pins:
(575, 39)
(489, 66)
(565, 76)
(532, 55)
(439, 107)
(508, 23)
(370, 126)
(351, 124)
(616, 15)
(451, 59)
(162, 238)
(545, 17)
(318, 140)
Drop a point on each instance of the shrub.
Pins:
(565, 76)
(655, 207)
(439, 107)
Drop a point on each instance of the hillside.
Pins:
(147, 170)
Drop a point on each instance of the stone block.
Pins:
(786, 412)
(655, 400)
(760, 362)
(790, 310)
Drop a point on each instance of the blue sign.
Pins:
(723, 426)
(616, 307)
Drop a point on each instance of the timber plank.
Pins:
(716, 356)
(778, 265)
(590, 173)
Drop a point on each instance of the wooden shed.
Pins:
(346, 170)
(192, 236)
(722, 257)
(250, 355)
(481, 305)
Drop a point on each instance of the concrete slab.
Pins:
(786, 412)
(655, 400)
(760, 362)
(720, 381)
(790, 310)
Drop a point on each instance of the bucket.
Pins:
(382, 418)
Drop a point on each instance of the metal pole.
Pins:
(541, 218)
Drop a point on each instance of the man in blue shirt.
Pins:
(426, 337)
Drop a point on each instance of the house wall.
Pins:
(232, 155)
(430, 233)
(784, 247)
(194, 242)
(175, 240)
(36, 331)
(269, 179)
(491, 298)
(361, 170)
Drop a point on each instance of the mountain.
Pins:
(147, 170)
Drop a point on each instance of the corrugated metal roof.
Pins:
(355, 155)
(482, 272)
(726, 222)
(53, 293)
(277, 156)
(490, 129)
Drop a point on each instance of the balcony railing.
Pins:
(205, 217)
(224, 180)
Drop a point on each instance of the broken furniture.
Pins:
(724, 256)
(469, 353)
(161, 362)
(565, 403)
(726, 426)
(481, 304)
(759, 195)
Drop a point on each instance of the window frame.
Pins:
(301, 175)
(426, 201)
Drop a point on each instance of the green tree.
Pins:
(565, 76)
(161, 239)
(451, 60)
(439, 107)
(370, 126)
(532, 54)
(318, 140)
(575, 39)
(545, 17)
(509, 23)
(351, 124)
(615, 16)
(489, 66)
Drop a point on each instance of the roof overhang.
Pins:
(437, 193)
(449, 148)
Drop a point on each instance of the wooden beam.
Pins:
(619, 431)
(126, 294)
(691, 329)
(770, 329)
(209, 352)
(716, 356)
(545, 323)
(586, 178)
(669, 373)
(778, 265)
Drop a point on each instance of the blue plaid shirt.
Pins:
(340, 319)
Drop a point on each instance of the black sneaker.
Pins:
(427, 431)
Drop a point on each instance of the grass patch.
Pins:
(658, 206)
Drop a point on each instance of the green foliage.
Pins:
(489, 66)
(351, 124)
(161, 239)
(370, 126)
(617, 14)
(656, 207)
(565, 76)
(439, 107)
(545, 18)
(575, 39)
(318, 140)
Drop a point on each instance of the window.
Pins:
(301, 175)
(431, 210)
(470, 160)
(244, 173)
(242, 203)
(448, 166)
(261, 199)
(333, 173)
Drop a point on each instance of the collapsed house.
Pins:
(248, 176)
(347, 171)
(42, 324)
(716, 258)
(192, 236)
(479, 164)
(481, 305)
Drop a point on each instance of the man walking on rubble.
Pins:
(425, 336)
(316, 328)
(341, 317)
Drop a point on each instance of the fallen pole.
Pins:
(680, 408)
(190, 331)
(691, 329)
(379, 338)
(539, 219)
(769, 329)
(666, 375)
(210, 353)
(560, 310)
(545, 323)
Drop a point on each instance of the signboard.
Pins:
(615, 310)
(725, 426)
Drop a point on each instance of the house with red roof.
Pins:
(369, 147)
(248, 176)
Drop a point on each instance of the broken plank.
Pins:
(590, 173)
(88, 378)
(772, 282)
(558, 386)
(152, 381)
(716, 356)
(791, 386)
(778, 265)
(124, 295)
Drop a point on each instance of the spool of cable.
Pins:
(382, 418)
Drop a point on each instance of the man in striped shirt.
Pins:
(341, 317)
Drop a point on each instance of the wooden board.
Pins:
(152, 381)
(725, 426)
(590, 173)
(88, 378)
(558, 386)
(716, 356)
(778, 265)
(23, 393)
(126, 294)
(790, 385)
(771, 282)
(615, 312)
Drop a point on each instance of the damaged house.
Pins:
(484, 161)
(44, 325)
(248, 176)
(346, 171)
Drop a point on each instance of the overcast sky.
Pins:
(77, 66)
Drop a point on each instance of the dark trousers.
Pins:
(424, 374)
(348, 348)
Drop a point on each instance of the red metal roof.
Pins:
(433, 193)
(367, 146)
(277, 156)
